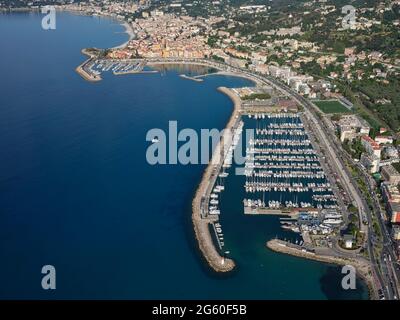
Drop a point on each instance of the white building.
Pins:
(384, 139)
(371, 162)
(351, 126)
(371, 146)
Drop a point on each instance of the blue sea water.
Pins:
(76, 191)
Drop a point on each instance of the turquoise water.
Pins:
(76, 191)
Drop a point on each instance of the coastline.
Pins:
(129, 30)
(363, 270)
(22, 9)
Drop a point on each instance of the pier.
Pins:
(202, 217)
(270, 211)
(84, 69)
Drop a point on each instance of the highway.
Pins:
(390, 269)
(388, 263)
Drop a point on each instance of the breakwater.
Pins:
(84, 68)
(200, 215)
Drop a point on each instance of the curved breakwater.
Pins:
(201, 220)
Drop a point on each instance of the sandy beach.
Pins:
(129, 31)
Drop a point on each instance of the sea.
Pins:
(77, 193)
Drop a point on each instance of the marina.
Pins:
(94, 67)
(118, 67)
(282, 169)
(284, 176)
(283, 173)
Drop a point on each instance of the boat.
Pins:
(332, 221)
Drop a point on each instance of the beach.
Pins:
(129, 30)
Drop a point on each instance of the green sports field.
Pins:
(331, 106)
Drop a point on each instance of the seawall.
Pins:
(201, 224)
(82, 72)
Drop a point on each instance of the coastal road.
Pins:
(389, 280)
